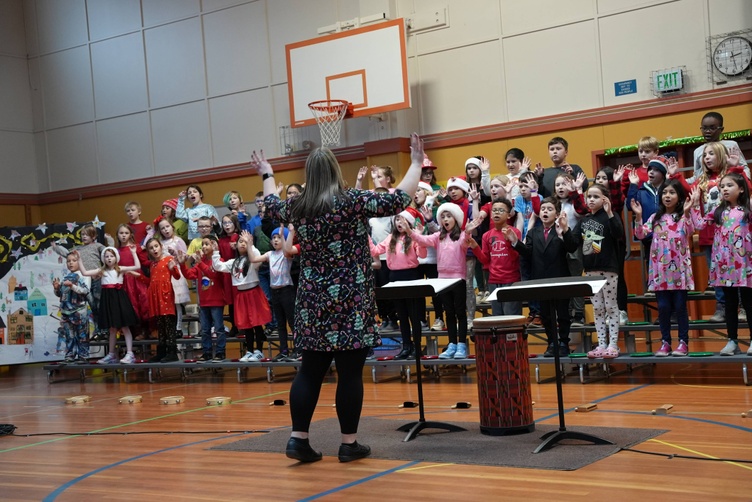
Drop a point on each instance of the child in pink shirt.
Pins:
(451, 245)
(402, 254)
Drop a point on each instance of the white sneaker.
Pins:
(450, 351)
(128, 359)
(469, 324)
(731, 349)
(256, 356)
(108, 359)
(623, 317)
(246, 357)
(438, 325)
(461, 352)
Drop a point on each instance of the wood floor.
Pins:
(176, 463)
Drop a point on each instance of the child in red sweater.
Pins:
(211, 298)
(499, 254)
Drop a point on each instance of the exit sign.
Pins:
(670, 80)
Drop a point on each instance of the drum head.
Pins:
(498, 321)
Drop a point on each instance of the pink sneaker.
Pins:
(681, 350)
(664, 351)
(611, 353)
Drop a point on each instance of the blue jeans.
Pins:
(668, 303)
(212, 317)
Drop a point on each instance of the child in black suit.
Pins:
(547, 247)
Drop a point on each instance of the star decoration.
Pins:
(97, 223)
(42, 228)
(17, 253)
(71, 226)
(14, 234)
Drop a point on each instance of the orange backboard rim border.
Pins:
(405, 103)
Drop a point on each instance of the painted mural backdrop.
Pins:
(29, 309)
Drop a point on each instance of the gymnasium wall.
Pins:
(110, 100)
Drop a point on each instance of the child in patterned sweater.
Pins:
(670, 271)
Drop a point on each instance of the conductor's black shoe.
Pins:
(549, 351)
(353, 451)
(299, 449)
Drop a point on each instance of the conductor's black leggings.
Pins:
(304, 393)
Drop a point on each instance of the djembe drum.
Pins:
(506, 405)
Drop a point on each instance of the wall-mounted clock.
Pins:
(733, 55)
(730, 56)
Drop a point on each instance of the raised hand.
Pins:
(607, 206)
(260, 164)
(539, 170)
(362, 173)
(417, 154)
(280, 187)
(510, 235)
(526, 163)
(485, 165)
(247, 237)
(473, 194)
(532, 184)
(426, 212)
(579, 180)
(690, 201)
(673, 167)
(619, 173)
(636, 209)
(633, 177)
(562, 224)
(566, 168)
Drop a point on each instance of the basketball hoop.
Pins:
(329, 114)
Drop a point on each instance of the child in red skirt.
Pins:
(252, 310)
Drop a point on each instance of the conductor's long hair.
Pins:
(324, 186)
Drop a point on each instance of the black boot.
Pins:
(407, 349)
(161, 353)
(300, 450)
(549, 351)
(353, 451)
(171, 357)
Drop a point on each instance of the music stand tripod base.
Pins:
(553, 437)
(414, 428)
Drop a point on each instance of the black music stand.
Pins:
(559, 288)
(403, 290)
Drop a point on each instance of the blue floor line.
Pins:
(53, 495)
(567, 410)
(358, 482)
(682, 417)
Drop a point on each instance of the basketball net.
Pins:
(329, 114)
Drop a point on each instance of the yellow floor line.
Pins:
(699, 453)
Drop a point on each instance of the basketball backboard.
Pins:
(366, 66)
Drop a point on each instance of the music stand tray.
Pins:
(420, 288)
(559, 288)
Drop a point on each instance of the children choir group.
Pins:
(488, 231)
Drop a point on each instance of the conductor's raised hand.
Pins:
(416, 149)
(260, 164)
